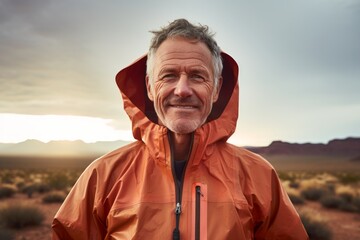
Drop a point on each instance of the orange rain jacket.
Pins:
(227, 192)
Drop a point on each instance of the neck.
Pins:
(181, 145)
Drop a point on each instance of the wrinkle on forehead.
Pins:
(181, 51)
(182, 47)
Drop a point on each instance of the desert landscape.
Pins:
(296, 101)
(323, 182)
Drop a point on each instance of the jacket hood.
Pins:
(140, 109)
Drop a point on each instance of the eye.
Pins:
(197, 77)
(168, 76)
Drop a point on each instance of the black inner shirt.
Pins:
(179, 168)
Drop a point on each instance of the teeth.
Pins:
(189, 107)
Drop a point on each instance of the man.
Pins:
(180, 179)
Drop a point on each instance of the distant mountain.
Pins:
(345, 147)
(59, 148)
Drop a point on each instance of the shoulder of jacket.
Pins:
(249, 158)
(121, 155)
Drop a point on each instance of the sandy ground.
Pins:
(345, 226)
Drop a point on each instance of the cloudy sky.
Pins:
(299, 63)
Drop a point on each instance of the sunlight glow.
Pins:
(19, 127)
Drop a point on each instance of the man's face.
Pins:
(183, 88)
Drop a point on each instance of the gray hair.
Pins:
(183, 28)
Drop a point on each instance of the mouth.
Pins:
(183, 106)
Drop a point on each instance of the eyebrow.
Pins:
(191, 69)
(199, 70)
(168, 70)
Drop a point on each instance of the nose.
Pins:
(182, 88)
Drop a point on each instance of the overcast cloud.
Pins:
(299, 61)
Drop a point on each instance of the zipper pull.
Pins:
(178, 208)
(198, 191)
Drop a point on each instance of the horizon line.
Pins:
(129, 141)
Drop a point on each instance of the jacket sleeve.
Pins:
(78, 217)
(281, 220)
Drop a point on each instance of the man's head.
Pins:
(183, 75)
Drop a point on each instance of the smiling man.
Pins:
(183, 87)
(180, 179)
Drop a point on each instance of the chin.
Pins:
(184, 126)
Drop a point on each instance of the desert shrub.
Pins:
(346, 196)
(317, 230)
(331, 188)
(294, 185)
(42, 187)
(59, 181)
(20, 216)
(20, 185)
(347, 207)
(6, 192)
(313, 193)
(30, 189)
(7, 177)
(331, 201)
(347, 192)
(348, 178)
(6, 234)
(296, 199)
(54, 197)
(286, 176)
(356, 202)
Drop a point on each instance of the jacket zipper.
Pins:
(197, 212)
(178, 191)
(178, 187)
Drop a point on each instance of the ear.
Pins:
(149, 89)
(217, 90)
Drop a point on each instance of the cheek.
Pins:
(158, 88)
(160, 94)
(162, 89)
(206, 94)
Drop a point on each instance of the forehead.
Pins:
(183, 51)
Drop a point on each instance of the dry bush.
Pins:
(348, 177)
(296, 199)
(7, 176)
(32, 188)
(59, 180)
(20, 216)
(356, 202)
(7, 191)
(313, 193)
(331, 201)
(54, 197)
(287, 176)
(346, 192)
(294, 184)
(323, 180)
(316, 229)
(348, 207)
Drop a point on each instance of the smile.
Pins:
(180, 106)
(183, 106)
